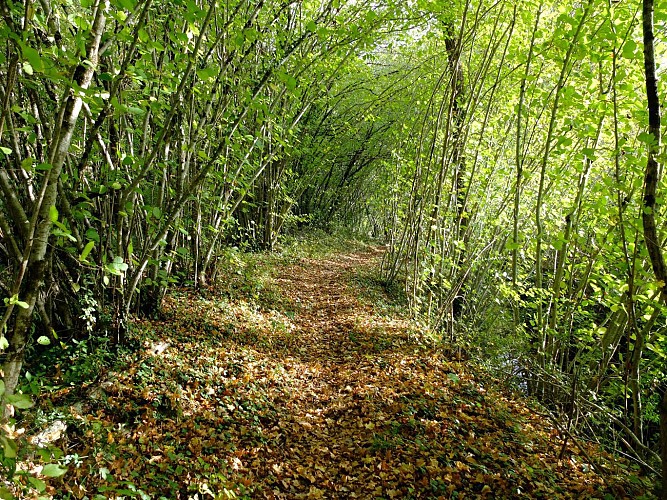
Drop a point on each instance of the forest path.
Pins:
(315, 387)
(340, 385)
(370, 411)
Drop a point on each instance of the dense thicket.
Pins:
(500, 148)
(140, 137)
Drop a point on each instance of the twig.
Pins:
(602, 473)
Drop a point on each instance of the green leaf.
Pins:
(61, 230)
(646, 138)
(206, 73)
(126, 4)
(117, 267)
(9, 447)
(589, 153)
(38, 484)
(53, 470)
(564, 141)
(53, 213)
(453, 377)
(4, 344)
(7, 151)
(43, 340)
(26, 164)
(2, 387)
(93, 235)
(5, 494)
(33, 58)
(14, 300)
(21, 401)
(629, 49)
(86, 250)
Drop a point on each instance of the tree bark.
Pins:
(651, 179)
(518, 159)
(458, 161)
(663, 437)
(42, 223)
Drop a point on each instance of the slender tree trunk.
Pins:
(458, 161)
(663, 438)
(649, 199)
(518, 158)
(47, 200)
(544, 337)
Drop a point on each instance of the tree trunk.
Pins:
(42, 221)
(663, 439)
(518, 158)
(649, 199)
(458, 161)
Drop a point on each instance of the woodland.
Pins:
(211, 209)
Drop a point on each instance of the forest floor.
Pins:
(312, 386)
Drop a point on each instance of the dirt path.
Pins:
(325, 450)
(321, 392)
(330, 314)
(370, 413)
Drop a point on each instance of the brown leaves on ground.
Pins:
(325, 396)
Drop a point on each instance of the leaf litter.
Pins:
(321, 393)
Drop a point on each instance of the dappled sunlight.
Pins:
(320, 397)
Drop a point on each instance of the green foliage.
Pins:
(16, 450)
(497, 147)
(319, 243)
(389, 297)
(85, 360)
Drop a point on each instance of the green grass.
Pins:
(314, 243)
